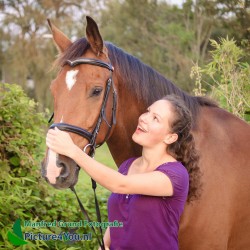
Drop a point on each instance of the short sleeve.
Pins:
(178, 176)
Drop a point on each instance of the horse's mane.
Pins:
(146, 83)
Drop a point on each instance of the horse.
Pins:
(220, 218)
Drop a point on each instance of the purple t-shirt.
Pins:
(149, 222)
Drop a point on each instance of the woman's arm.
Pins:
(154, 183)
(106, 239)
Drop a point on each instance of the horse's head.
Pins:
(84, 99)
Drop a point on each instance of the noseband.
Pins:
(91, 136)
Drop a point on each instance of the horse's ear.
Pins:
(61, 40)
(94, 37)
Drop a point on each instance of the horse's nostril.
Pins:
(65, 170)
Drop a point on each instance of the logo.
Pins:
(16, 237)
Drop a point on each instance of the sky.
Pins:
(176, 2)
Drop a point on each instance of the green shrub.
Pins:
(227, 76)
(23, 193)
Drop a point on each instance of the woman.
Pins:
(149, 192)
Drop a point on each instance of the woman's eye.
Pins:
(96, 92)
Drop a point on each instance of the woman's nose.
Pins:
(143, 118)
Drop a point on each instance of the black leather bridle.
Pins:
(92, 136)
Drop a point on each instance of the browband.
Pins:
(90, 61)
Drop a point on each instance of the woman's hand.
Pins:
(60, 142)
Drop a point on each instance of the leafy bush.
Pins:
(23, 193)
(228, 77)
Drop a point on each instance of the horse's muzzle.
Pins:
(68, 176)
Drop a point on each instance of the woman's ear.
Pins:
(171, 138)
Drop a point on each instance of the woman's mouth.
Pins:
(140, 129)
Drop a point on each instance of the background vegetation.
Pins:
(207, 40)
(169, 38)
(23, 193)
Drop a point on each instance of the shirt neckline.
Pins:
(131, 160)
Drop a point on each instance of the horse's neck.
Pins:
(120, 143)
(122, 147)
(131, 106)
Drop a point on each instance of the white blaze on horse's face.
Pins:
(71, 78)
(52, 170)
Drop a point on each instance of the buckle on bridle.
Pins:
(92, 148)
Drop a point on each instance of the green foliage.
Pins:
(23, 193)
(167, 37)
(154, 32)
(26, 51)
(196, 73)
(229, 77)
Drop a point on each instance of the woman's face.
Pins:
(154, 125)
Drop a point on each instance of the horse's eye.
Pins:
(96, 91)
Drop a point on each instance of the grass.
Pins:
(102, 155)
(84, 182)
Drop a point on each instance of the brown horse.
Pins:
(220, 219)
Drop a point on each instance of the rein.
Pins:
(91, 136)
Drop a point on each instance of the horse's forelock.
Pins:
(77, 49)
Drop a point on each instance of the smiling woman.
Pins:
(149, 184)
(153, 124)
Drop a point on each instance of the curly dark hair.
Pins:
(183, 149)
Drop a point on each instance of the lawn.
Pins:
(84, 187)
(102, 155)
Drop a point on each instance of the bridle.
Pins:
(92, 136)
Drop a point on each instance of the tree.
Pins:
(27, 52)
(153, 32)
(235, 17)
(168, 38)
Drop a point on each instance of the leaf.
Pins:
(15, 161)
